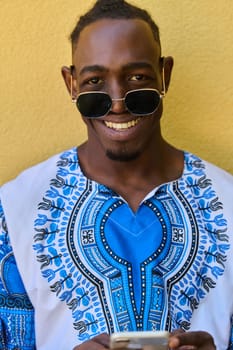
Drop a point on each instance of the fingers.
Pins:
(176, 331)
(103, 339)
(100, 342)
(178, 340)
(191, 340)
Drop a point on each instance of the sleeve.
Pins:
(230, 347)
(16, 310)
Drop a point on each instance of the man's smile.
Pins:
(122, 126)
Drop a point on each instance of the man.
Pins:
(126, 232)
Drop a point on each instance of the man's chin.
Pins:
(122, 156)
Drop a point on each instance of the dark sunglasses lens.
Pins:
(142, 102)
(93, 105)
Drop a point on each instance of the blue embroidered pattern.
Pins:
(16, 311)
(77, 233)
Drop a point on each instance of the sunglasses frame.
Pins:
(160, 94)
(119, 99)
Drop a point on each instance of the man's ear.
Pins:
(168, 63)
(69, 79)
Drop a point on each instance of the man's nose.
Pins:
(118, 105)
(117, 90)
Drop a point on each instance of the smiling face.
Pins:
(116, 56)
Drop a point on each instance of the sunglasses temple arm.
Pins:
(163, 92)
(73, 99)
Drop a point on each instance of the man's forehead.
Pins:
(108, 30)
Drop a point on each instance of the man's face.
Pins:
(116, 56)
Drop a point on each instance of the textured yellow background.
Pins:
(36, 116)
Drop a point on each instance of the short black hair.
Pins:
(113, 9)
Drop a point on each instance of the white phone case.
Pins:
(147, 340)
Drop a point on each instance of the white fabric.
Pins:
(54, 326)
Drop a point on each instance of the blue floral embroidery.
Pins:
(16, 311)
(74, 220)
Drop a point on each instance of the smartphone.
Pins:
(147, 340)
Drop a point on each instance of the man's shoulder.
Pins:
(38, 176)
(221, 179)
(217, 172)
(210, 168)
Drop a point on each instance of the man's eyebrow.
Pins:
(133, 65)
(128, 66)
(93, 68)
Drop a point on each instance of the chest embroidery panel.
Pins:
(85, 266)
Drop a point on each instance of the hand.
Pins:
(199, 340)
(100, 342)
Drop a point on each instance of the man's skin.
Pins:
(116, 56)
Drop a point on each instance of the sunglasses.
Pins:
(96, 104)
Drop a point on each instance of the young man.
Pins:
(126, 232)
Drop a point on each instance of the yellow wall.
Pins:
(36, 116)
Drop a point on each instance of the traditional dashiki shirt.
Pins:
(76, 261)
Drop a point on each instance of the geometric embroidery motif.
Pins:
(89, 269)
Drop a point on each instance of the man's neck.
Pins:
(133, 179)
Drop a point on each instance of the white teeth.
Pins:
(122, 126)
